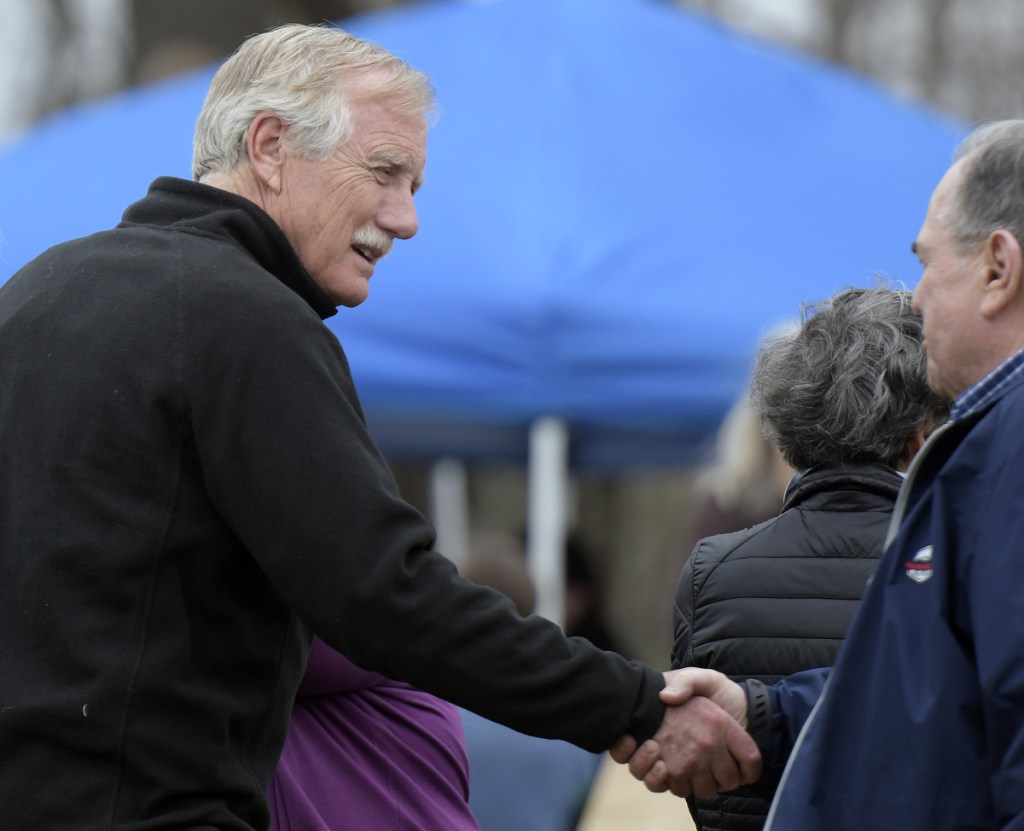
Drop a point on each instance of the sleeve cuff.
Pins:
(759, 712)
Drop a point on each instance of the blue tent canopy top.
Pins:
(622, 198)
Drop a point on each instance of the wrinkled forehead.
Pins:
(388, 86)
(945, 191)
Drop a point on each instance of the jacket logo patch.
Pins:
(919, 569)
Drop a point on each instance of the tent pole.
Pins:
(449, 509)
(547, 514)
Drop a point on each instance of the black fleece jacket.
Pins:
(187, 491)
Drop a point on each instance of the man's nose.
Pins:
(398, 216)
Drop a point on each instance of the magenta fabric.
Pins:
(365, 753)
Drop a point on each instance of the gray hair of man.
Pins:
(850, 385)
(306, 75)
(991, 193)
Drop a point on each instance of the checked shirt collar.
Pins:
(1009, 373)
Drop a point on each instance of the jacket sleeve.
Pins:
(291, 467)
(792, 702)
(682, 616)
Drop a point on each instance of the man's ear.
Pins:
(1001, 272)
(265, 146)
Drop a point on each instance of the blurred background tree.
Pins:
(166, 35)
(961, 56)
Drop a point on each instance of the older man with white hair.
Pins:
(188, 491)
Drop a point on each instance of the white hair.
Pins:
(306, 75)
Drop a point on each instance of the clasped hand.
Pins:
(702, 746)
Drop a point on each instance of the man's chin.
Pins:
(348, 291)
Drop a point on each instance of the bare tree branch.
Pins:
(935, 49)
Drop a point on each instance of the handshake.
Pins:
(702, 746)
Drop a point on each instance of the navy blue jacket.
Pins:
(921, 723)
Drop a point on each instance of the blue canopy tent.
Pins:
(622, 197)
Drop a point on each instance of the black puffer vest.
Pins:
(778, 598)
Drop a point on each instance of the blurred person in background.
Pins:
(519, 782)
(742, 485)
(845, 401)
(365, 752)
(584, 600)
(190, 491)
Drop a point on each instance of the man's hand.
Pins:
(701, 746)
(683, 684)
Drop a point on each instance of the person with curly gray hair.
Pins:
(845, 400)
(849, 385)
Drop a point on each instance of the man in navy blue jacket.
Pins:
(920, 724)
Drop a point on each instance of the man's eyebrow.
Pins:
(400, 161)
(391, 157)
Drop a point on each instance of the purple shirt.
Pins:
(365, 753)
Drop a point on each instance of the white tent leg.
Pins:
(449, 509)
(548, 514)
